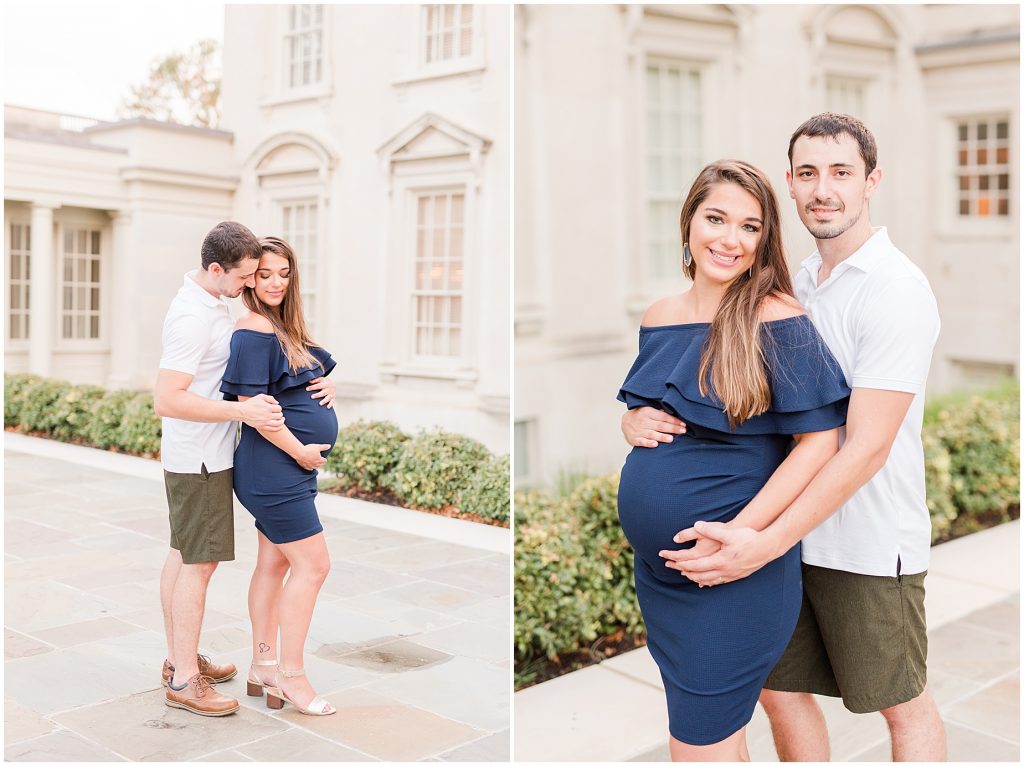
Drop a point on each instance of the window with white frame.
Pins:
(845, 95)
(438, 288)
(447, 32)
(674, 145)
(18, 270)
(80, 283)
(983, 167)
(299, 229)
(304, 45)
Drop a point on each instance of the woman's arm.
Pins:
(306, 455)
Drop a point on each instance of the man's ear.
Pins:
(789, 183)
(874, 178)
(216, 269)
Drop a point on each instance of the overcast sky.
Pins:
(82, 57)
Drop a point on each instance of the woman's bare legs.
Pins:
(310, 563)
(732, 748)
(264, 602)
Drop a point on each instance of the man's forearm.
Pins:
(850, 469)
(184, 405)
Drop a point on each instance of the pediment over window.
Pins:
(863, 25)
(433, 137)
(291, 153)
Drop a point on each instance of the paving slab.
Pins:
(85, 637)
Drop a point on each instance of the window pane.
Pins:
(1004, 207)
(1004, 181)
(69, 240)
(965, 183)
(458, 202)
(983, 182)
(94, 298)
(1002, 130)
(15, 267)
(95, 243)
(68, 302)
(962, 132)
(982, 131)
(1002, 155)
(455, 306)
(15, 297)
(454, 342)
(15, 237)
(82, 239)
(96, 270)
(66, 330)
(80, 326)
(963, 156)
(984, 206)
(94, 327)
(982, 156)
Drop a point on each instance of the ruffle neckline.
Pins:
(807, 384)
(252, 370)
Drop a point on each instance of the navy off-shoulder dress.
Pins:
(715, 646)
(276, 490)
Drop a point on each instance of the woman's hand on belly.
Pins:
(308, 456)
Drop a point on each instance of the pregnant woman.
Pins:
(275, 476)
(739, 362)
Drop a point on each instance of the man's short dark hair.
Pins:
(834, 125)
(228, 244)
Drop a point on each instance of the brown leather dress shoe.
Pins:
(199, 697)
(214, 673)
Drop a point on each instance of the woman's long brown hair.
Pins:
(287, 319)
(733, 362)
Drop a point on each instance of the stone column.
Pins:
(118, 301)
(42, 290)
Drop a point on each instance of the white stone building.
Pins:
(616, 109)
(375, 139)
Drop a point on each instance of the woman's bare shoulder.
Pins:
(663, 311)
(254, 321)
(780, 307)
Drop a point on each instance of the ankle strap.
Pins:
(292, 673)
(263, 663)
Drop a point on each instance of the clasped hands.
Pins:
(722, 553)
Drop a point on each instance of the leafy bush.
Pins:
(140, 428)
(39, 404)
(973, 460)
(105, 424)
(573, 572)
(14, 395)
(488, 494)
(73, 412)
(434, 467)
(366, 452)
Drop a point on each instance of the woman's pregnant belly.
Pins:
(665, 489)
(306, 419)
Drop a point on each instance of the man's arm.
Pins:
(172, 399)
(873, 420)
(646, 426)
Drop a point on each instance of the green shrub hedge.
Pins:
(433, 469)
(366, 453)
(573, 566)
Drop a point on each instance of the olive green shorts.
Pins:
(201, 512)
(859, 637)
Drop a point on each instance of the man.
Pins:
(861, 634)
(197, 452)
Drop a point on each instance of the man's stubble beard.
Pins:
(833, 230)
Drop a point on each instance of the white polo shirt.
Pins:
(197, 340)
(879, 318)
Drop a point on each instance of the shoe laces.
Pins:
(203, 661)
(200, 684)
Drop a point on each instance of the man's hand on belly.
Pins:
(646, 426)
(325, 391)
(741, 552)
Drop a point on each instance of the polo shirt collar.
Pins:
(864, 258)
(204, 297)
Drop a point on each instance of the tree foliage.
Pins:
(182, 87)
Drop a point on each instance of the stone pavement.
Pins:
(410, 638)
(615, 711)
